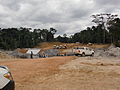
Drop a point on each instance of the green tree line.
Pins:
(107, 30)
(12, 38)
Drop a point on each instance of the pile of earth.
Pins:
(16, 53)
(4, 55)
(112, 51)
(44, 53)
(51, 52)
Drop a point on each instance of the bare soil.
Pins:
(47, 45)
(66, 73)
(5, 56)
(30, 74)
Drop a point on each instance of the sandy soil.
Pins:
(90, 73)
(30, 74)
(47, 45)
(66, 73)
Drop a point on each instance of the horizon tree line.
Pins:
(106, 31)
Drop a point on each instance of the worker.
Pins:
(31, 55)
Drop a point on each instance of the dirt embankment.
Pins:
(111, 51)
(4, 56)
(47, 45)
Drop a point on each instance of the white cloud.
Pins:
(67, 16)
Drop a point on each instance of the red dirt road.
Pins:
(29, 74)
(66, 73)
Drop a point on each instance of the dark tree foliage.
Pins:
(12, 38)
(95, 34)
(63, 39)
(90, 35)
(114, 31)
(104, 20)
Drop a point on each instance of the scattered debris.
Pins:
(60, 46)
(65, 49)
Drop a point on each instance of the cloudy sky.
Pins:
(67, 16)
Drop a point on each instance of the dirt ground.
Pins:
(47, 45)
(66, 73)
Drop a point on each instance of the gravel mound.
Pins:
(112, 51)
(18, 54)
(4, 55)
(52, 52)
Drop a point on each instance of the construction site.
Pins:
(53, 66)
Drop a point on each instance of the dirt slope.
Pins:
(49, 45)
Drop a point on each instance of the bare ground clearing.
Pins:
(66, 73)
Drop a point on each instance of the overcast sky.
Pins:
(67, 16)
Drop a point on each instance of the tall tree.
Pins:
(104, 20)
(114, 31)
